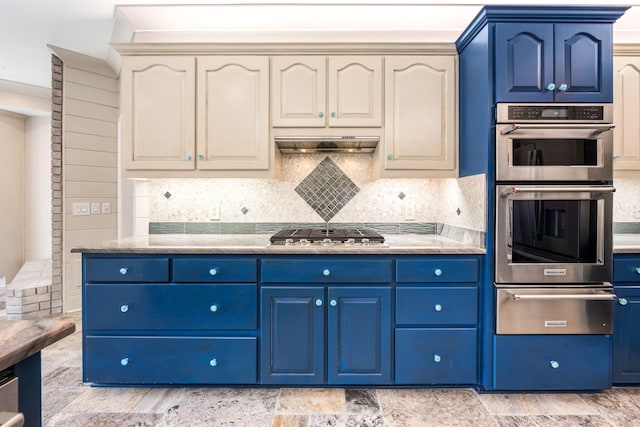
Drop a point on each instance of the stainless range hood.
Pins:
(326, 144)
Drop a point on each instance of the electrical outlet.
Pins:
(409, 213)
(106, 208)
(215, 212)
(80, 208)
(95, 208)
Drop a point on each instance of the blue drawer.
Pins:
(626, 269)
(293, 270)
(170, 360)
(126, 269)
(170, 306)
(436, 306)
(218, 270)
(552, 362)
(437, 270)
(436, 356)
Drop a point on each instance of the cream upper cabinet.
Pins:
(233, 112)
(158, 112)
(302, 98)
(626, 112)
(420, 114)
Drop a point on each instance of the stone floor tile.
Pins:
(361, 401)
(107, 399)
(572, 420)
(536, 404)
(311, 401)
(290, 421)
(621, 406)
(160, 400)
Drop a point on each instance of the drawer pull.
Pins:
(554, 364)
(437, 358)
(213, 362)
(213, 271)
(125, 361)
(637, 270)
(326, 272)
(333, 303)
(318, 302)
(623, 301)
(214, 308)
(437, 307)
(437, 272)
(124, 270)
(124, 308)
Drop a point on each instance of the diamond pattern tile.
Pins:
(327, 189)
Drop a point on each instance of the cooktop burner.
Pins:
(326, 237)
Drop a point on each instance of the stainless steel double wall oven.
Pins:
(554, 200)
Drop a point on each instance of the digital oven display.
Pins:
(553, 113)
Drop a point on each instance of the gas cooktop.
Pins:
(327, 237)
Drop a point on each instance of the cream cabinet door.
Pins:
(626, 113)
(158, 112)
(299, 90)
(233, 112)
(420, 113)
(355, 91)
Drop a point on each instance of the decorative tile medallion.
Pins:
(327, 189)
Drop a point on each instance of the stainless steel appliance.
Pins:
(553, 233)
(554, 310)
(302, 237)
(554, 142)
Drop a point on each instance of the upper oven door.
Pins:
(553, 234)
(554, 152)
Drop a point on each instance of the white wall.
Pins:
(11, 193)
(37, 188)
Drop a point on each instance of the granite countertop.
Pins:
(259, 244)
(627, 243)
(20, 339)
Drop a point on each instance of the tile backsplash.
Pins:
(456, 202)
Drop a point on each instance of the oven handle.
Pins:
(560, 189)
(591, 297)
(596, 128)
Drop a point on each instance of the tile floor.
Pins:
(67, 402)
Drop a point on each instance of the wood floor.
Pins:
(68, 402)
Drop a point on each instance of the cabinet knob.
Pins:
(213, 271)
(437, 272)
(563, 87)
(124, 308)
(213, 362)
(623, 301)
(321, 114)
(437, 358)
(551, 86)
(318, 302)
(326, 272)
(554, 364)
(437, 307)
(214, 308)
(389, 156)
(333, 303)
(200, 156)
(124, 270)
(124, 362)
(637, 270)
(333, 114)
(187, 157)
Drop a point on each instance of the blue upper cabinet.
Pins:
(541, 62)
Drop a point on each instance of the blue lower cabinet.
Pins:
(552, 362)
(292, 344)
(170, 360)
(359, 335)
(626, 335)
(436, 356)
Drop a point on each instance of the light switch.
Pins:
(95, 208)
(106, 208)
(80, 208)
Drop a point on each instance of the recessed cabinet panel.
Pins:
(626, 338)
(158, 112)
(420, 111)
(233, 112)
(355, 91)
(626, 111)
(299, 86)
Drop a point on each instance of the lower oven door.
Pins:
(554, 310)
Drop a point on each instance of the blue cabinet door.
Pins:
(524, 62)
(626, 336)
(292, 345)
(584, 62)
(359, 335)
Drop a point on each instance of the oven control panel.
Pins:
(589, 113)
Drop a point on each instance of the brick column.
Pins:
(56, 185)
